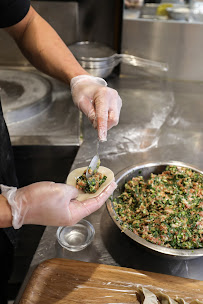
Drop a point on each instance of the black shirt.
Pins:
(13, 11)
(7, 168)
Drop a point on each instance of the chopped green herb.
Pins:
(91, 184)
(166, 210)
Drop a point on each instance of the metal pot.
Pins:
(145, 170)
(100, 60)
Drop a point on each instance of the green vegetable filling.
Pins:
(92, 184)
(166, 210)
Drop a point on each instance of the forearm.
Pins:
(42, 46)
(5, 213)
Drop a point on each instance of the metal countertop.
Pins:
(160, 121)
(57, 124)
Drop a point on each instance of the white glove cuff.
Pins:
(80, 78)
(9, 193)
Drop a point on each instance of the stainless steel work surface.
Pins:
(38, 109)
(159, 122)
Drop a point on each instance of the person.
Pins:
(133, 3)
(47, 203)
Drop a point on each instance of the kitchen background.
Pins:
(43, 135)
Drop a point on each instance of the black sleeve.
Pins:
(13, 11)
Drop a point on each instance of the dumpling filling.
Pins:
(166, 210)
(91, 184)
(106, 177)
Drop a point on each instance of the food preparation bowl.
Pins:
(145, 170)
(76, 238)
(178, 13)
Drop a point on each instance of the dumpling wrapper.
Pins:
(165, 299)
(181, 301)
(146, 296)
(82, 196)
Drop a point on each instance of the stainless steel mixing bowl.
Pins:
(145, 170)
(178, 13)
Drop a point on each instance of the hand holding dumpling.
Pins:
(49, 203)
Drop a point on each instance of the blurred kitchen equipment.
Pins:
(196, 10)
(145, 170)
(178, 13)
(100, 60)
(149, 11)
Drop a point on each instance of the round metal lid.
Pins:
(23, 94)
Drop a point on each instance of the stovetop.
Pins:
(38, 109)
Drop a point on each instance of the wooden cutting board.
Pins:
(63, 281)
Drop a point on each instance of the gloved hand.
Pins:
(100, 104)
(49, 203)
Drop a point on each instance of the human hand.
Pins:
(133, 3)
(100, 104)
(49, 203)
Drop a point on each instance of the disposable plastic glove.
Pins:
(49, 203)
(100, 104)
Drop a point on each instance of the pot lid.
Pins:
(23, 94)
